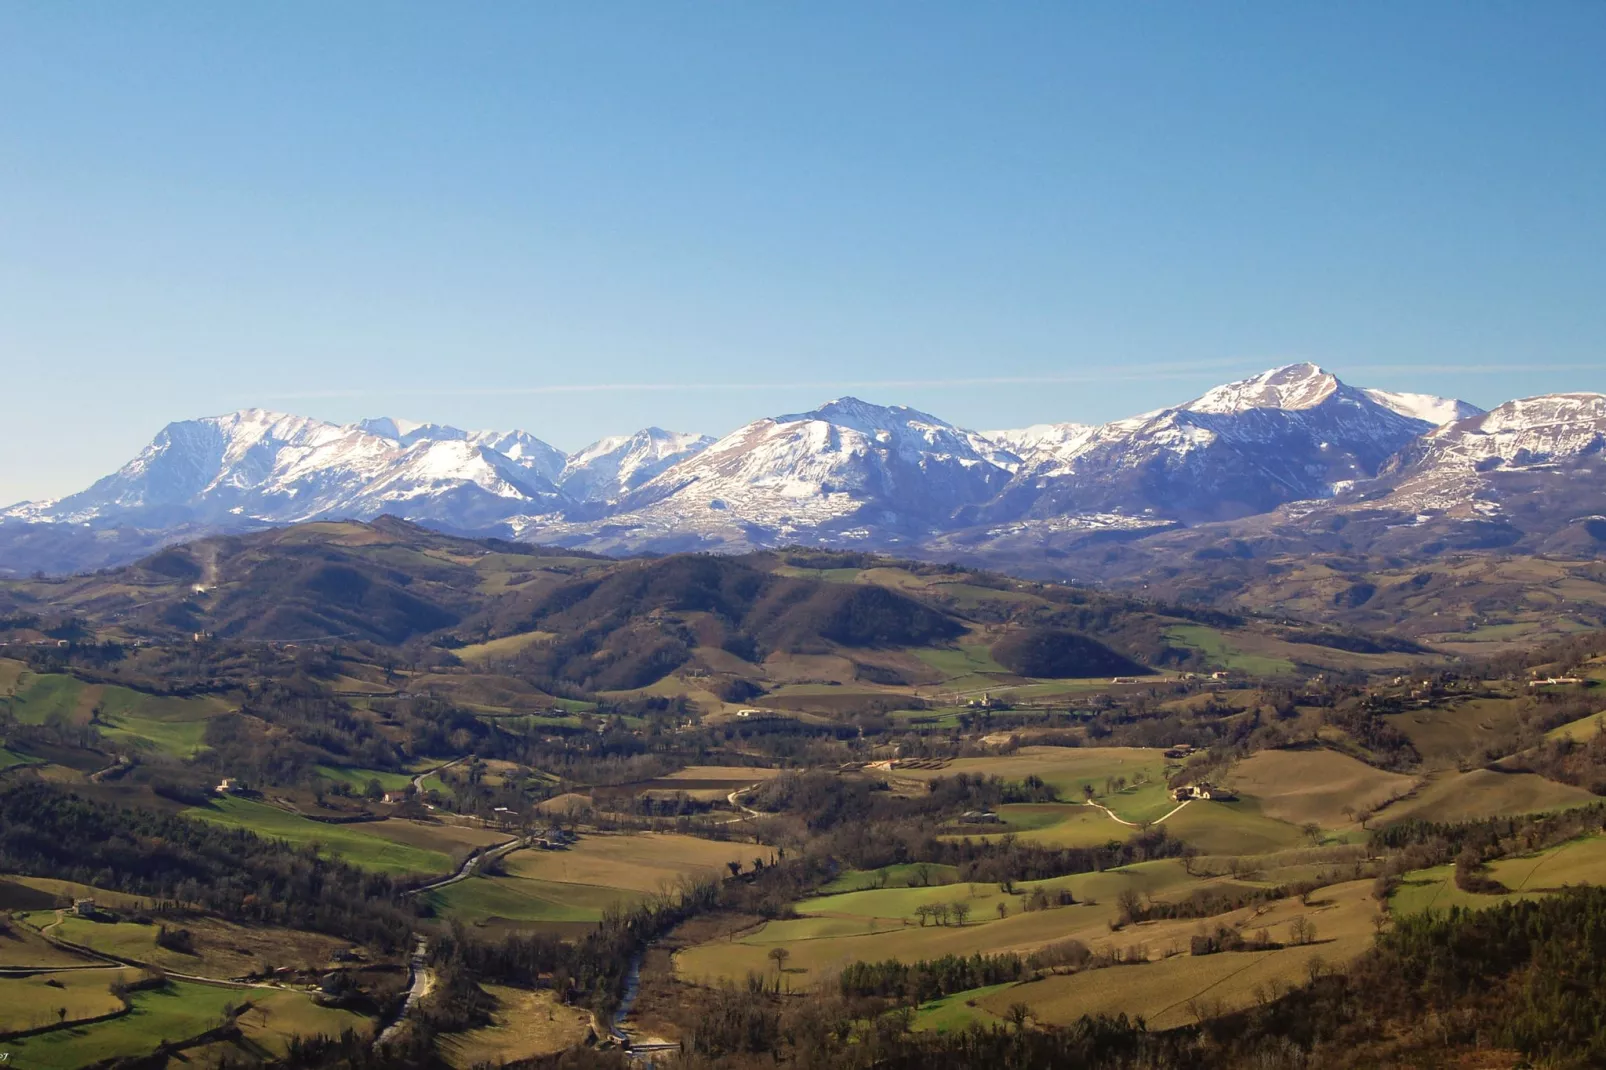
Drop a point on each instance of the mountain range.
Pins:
(1293, 448)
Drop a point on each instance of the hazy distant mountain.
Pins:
(1295, 446)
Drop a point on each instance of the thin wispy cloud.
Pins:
(1126, 374)
(1201, 371)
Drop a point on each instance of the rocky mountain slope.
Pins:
(1293, 450)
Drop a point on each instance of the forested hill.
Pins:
(600, 623)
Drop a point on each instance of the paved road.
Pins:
(471, 864)
(418, 781)
(422, 982)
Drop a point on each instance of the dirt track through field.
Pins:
(1135, 824)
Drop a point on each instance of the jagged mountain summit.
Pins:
(614, 466)
(1294, 440)
(849, 472)
(254, 468)
(1291, 433)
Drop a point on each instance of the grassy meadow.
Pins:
(1178, 989)
(166, 724)
(33, 1001)
(1320, 787)
(1071, 769)
(866, 926)
(579, 883)
(181, 1009)
(222, 949)
(524, 1025)
(875, 924)
(1580, 861)
(1480, 793)
(1222, 652)
(355, 843)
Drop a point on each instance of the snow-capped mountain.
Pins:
(1466, 463)
(1294, 445)
(1428, 408)
(1028, 443)
(614, 466)
(1242, 448)
(256, 467)
(520, 447)
(849, 469)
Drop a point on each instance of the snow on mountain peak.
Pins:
(1429, 408)
(390, 427)
(1036, 439)
(618, 464)
(864, 416)
(1293, 386)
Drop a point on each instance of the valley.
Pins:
(535, 787)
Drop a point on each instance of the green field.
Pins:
(871, 926)
(9, 758)
(358, 778)
(962, 661)
(182, 1009)
(1580, 861)
(481, 899)
(30, 1002)
(348, 842)
(957, 1011)
(1579, 731)
(1070, 769)
(1222, 653)
(1059, 824)
(40, 699)
(899, 876)
(163, 723)
(181, 739)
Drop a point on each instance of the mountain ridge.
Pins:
(850, 474)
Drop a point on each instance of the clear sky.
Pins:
(582, 218)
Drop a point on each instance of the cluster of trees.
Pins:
(591, 970)
(1528, 977)
(46, 832)
(957, 913)
(919, 982)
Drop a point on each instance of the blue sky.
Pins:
(583, 218)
